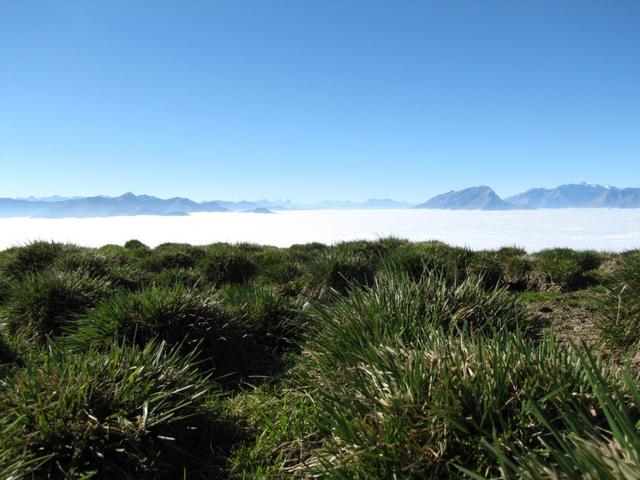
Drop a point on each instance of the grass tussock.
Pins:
(411, 376)
(570, 268)
(123, 412)
(425, 410)
(337, 272)
(45, 303)
(230, 265)
(602, 442)
(396, 308)
(272, 317)
(174, 314)
(619, 326)
(20, 262)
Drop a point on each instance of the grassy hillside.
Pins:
(384, 359)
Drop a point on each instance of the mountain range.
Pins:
(582, 195)
(130, 204)
(101, 206)
(576, 195)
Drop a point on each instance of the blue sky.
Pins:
(311, 100)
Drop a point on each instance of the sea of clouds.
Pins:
(601, 229)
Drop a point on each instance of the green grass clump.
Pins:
(452, 263)
(516, 269)
(170, 256)
(584, 449)
(17, 351)
(619, 326)
(46, 303)
(229, 265)
(308, 251)
(174, 314)
(421, 409)
(510, 252)
(136, 246)
(96, 264)
(195, 319)
(409, 378)
(575, 269)
(377, 249)
(160, 261)
(34, 257)
(170, 277)
(115, 264)
(274, 319)
(119, 413)
(417, 261)
(486, 266)
(276, 266)
(395, 308)
(338, 272)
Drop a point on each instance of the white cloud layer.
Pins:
(601, 229)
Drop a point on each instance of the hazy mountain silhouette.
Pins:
(102, 206)
(130, 204)
(582, 195)
(579, 195)
(474, 198)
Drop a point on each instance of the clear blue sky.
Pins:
(310, 100)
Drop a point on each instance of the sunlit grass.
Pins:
(365, 359)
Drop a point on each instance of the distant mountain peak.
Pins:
(480, 197)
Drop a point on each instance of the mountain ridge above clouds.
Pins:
(473, 198)
(576, 195)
